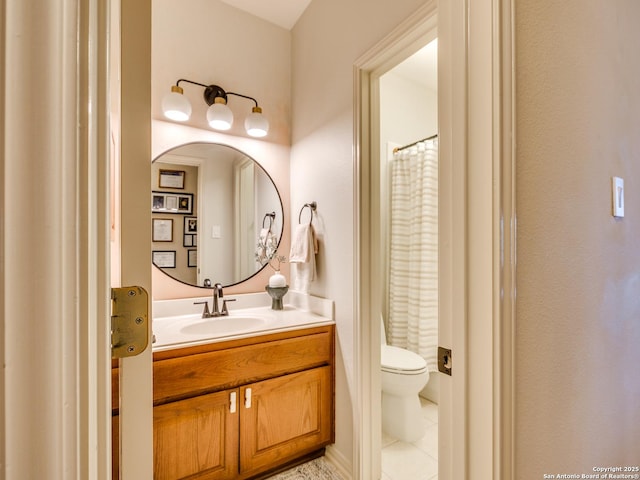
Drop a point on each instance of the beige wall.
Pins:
(578, 280)
(209, 42)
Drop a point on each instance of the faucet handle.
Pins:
(205, 313)
(225, 310)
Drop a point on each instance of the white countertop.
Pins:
(179, 323)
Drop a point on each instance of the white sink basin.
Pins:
(222, 325)
(179, 322)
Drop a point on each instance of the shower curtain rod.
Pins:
(397, 149)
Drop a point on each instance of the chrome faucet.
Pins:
(215, 309)
(205, 313)
(217, 293)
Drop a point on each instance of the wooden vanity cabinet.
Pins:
(195, 438)
(287, 416)
(238, 409)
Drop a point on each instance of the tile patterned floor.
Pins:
(318, 469)
(400, 460)
(417, 460)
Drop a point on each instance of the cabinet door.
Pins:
(196, 438)
(285, 417)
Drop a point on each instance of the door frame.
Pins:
(56, 382)
(136, 373)
(477, 235)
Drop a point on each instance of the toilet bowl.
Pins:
(404, 375)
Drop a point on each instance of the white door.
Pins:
(477, 252)
(130, 91)
(56, 381)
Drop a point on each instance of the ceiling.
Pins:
(284, 13)
(421, 67)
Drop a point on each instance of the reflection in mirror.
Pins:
(217, 215)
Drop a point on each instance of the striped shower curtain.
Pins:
(413, 256)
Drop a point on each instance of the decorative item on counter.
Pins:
(277, 280)
(277, 287)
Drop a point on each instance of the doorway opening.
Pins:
(408, 222)
(372, 140)
(476, 230)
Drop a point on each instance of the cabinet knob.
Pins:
(232, 402)
(247, 398)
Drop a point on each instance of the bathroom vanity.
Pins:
(240, 405)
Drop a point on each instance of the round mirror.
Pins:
(217, 216)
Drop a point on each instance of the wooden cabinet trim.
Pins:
(289, 416)
(223, 345)
(191, 375)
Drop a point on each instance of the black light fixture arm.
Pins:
(243, 96)
(190, 81)
(213, 91)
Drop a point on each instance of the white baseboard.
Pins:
(344, 468)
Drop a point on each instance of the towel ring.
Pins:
(271, 217)
(312, 208)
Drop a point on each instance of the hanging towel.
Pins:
(304, 245)
(267, 244)
(302, 256)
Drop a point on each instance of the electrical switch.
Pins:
(617, 192)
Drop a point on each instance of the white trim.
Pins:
(98, 257)
(406, 39)
(3, 227)
(342, 465)
(56, 329)
(505, 229)
(477, 148)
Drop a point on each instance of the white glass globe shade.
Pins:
(256, 124)
(219, 116)
(176, 106)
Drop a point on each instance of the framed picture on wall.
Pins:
(172, 202)
(162, 230)
(164, 258)
(188, 240)
(171, 179)
(190, 225)
(192, 258)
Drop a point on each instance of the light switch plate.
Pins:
(617, 196)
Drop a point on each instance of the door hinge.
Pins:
(129, 321)
(444, 360)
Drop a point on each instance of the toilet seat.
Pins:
(400, 361)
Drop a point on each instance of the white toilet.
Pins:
(404, 374)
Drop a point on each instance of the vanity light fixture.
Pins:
(177, 107)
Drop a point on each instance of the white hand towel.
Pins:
(304, 244)
(302, 256)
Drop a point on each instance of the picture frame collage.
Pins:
(174, 203)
